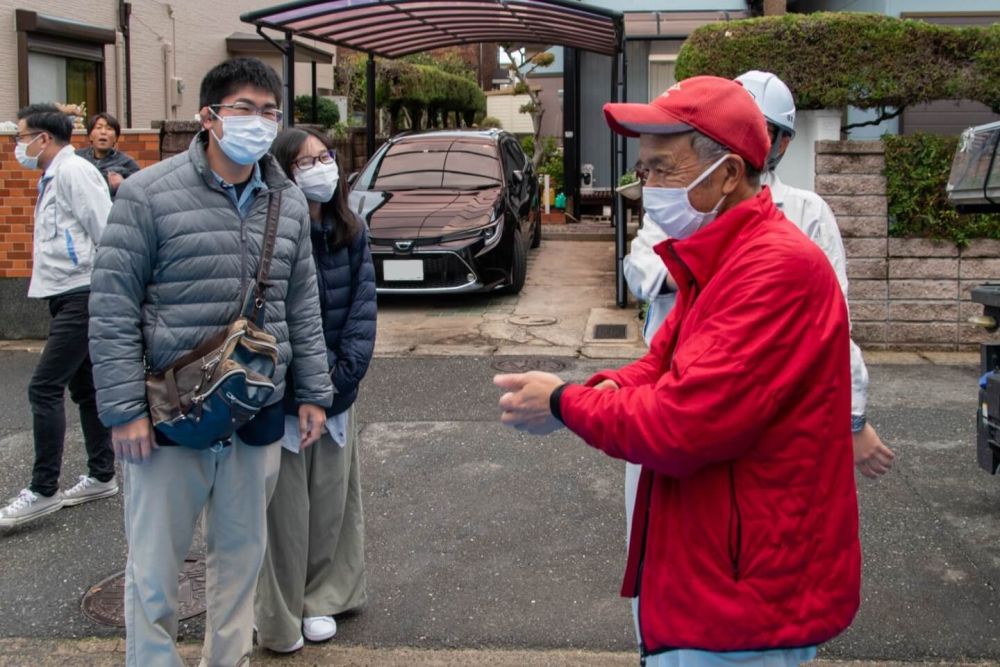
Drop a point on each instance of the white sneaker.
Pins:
(297, 646)
(319, 628)
(88, 489)
(28, 506)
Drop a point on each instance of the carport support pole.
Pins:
(288, 64)
(617, 169)
(370, 105)
(315, 95)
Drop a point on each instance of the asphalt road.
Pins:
(479, 537)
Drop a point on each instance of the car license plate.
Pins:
(403, 269)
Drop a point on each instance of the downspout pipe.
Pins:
(124, 25)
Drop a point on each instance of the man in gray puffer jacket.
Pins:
(181, 247)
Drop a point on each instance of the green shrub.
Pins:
(552, 160)
(916, 169)
(490, 121)
(327, 113)
(870, 61)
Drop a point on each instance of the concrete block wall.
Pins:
(904, 293)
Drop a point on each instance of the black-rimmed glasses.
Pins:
(247, 109)
(309, 161)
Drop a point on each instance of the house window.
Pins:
(60, 79)
(661, 73)
(61, 61)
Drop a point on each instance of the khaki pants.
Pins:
(163, 499)
(315, 560)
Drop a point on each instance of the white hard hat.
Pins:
(773, 98)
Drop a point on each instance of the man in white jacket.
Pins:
(649, 281)
(70, 216)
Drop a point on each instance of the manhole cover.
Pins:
(532, 320)
(105, 601)
(610, 331)
(525, 364)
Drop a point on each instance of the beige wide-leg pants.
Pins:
(315, 560)
(163, 499)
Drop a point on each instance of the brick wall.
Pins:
(904, 293)
(18, 191)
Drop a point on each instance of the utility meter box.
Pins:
(586, 177)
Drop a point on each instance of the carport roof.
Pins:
(394, 28)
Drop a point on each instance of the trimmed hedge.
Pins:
(418, 88)
(916, 169)
(835, 59)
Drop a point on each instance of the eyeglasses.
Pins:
(247, 109)
(18, 138)
(309, 161)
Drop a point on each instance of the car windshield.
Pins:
(437, 164)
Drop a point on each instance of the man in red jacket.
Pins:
(744, 544)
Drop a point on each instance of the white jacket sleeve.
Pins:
(644, 270)
(823, 230)
(88, 198)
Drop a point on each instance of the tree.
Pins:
(521, 66)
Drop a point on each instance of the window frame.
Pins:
(39, 33)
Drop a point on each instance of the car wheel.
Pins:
(518, 265)
(536, 237)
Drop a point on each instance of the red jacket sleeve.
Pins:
(646, 369)
(728, 378)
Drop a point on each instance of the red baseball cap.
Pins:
(718, 108)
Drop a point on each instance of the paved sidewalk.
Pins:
(101, 652)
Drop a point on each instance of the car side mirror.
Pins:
(518, 176)
(353, 177)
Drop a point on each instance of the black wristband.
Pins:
(555, 402)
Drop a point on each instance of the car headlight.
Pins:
(492, 234)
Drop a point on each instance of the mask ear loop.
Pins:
(705, 174)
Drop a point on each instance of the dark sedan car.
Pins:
(451, 211)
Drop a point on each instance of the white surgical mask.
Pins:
(246, 139)
(671, 210)
(21, 154)
(319, 182)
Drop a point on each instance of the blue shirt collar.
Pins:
(255, 185)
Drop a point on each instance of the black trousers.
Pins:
(65, 362)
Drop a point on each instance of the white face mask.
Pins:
(21, 154)
(671, 210)
(246, 139)
(319, 182)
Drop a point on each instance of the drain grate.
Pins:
(610, 331)
(525, 364)
(105, 601)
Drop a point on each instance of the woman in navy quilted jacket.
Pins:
(314, 567)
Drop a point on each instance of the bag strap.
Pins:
(266, 255)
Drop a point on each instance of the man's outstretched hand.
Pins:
(525, 404)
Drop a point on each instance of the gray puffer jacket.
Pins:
(171, 267)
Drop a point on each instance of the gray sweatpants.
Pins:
(315, 562)
(163, 499)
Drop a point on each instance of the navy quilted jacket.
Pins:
(346, 280)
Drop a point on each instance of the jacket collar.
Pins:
(271, 173)
(57, 159)
(700, 256)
